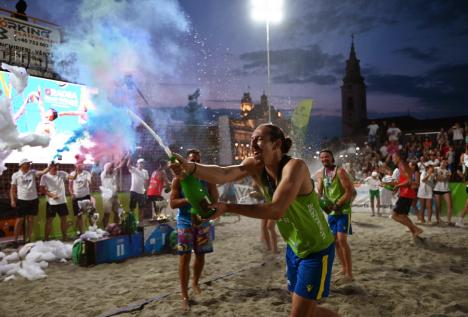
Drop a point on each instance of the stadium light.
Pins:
(267, 11)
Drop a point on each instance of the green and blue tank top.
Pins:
(333, 190)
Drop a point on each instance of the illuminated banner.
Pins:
(48, 107)
(24, 43)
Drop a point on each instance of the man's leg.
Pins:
(18, 228)
(265, 234)
(184, 276)
(372, 204)
(185, 245)
(197, 271)
(405, 220)
(30, 223)
(48, 228)
(271, 226)
(63, 227)
(341, 256)
(378, 205)
(302, 307)
(342, 241)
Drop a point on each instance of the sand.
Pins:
(394, 276)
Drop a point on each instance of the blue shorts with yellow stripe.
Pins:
(310, 277)
(340, 223)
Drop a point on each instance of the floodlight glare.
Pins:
(267, 10)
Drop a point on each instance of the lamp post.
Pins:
(268, 11)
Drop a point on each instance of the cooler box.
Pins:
(112, 249)
(155, 238)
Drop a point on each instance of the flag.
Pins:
(301, 115)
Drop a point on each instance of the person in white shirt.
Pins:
(23, 198)
(110, 199)
(425, 192)
(374, 184)
(457, 134)
(393, 133)
(442, 190)
(384, 150)
(53, 186)
(138, 186)
(372, 136)
(78, 186)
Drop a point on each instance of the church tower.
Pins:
(353, 98)
(246, 105)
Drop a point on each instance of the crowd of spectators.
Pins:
(424, 149)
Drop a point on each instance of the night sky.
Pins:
(414, 54)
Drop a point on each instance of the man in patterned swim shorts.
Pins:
(191, 236)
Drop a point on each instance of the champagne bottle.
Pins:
(196, 195)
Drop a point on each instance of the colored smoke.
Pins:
(108, 42)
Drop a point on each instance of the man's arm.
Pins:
(176, 200)
(318, 175)
(129, 164)
(347, 185)
(70, 187)
(13, 189)
(42, 172)
(213, 173)
(291, 182)
(122, 162)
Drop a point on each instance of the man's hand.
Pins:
(13, 204)
(220, 208)
(180, 165)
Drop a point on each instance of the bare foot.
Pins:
(185, 305)
(417, 231)
(341, 272)
(345, 280)
(196, 289)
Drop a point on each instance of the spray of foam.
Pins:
(109, 41)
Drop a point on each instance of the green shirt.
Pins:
(304, 227)
(333, 191)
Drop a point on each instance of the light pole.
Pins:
(268, 11)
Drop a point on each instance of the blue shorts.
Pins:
(310, 277)
(340, 223)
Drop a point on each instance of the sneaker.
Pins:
(460, 224)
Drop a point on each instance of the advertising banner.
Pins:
(25, 43)
(47, 107)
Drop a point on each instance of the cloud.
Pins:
(360, 16)
(441, 88)
(297, 65)
(412, 52)
(451, 15)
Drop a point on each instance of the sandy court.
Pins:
(394, 276)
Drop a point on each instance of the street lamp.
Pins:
(268, 11)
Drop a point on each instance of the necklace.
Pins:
(329, 175)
